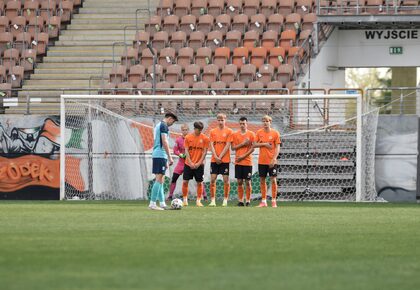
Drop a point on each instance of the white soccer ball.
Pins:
(176, 203)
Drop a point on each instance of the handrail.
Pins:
(139, 10)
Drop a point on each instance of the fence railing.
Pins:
(360, 7)
(395, 100)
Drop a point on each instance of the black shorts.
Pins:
(197, 173)
(264, 169)
(222, 168)
(243, 172)
(159, 165)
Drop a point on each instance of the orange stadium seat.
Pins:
(240, 56)
(287, 39)
(221, 56)
(258, 56)
(276, 56)
(136, 74)
(303, 36)
(205, 23)
(275, 22)
(295, 51)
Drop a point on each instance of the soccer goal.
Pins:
(327, 150)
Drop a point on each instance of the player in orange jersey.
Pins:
(220, 140)
(268, 140)
(196, 146)
(242, 143)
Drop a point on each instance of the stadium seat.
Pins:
(218, 88)
(53, 26)
(229, 73)
(182, 7)
(210, 73)
(6, 88)
(173, 74)
(158, 73)
(265, 74)
(291, 86)
(15, 76)
(303, 35)
(144, 88)
(251, 39)
(203, 56)
(12, 9)
(196, 40)
(233, 7)
(287, 39)
(216, 7)
(269, 39)
(22, 41)
(165, 7)
(17, 25)
(117, 74)
(276, 56)
(6, 41)
(240, 22)
(255, 88)
(141, 39)
(66, 9)
(223, 23)
(205, 23)
(214, 39)
(293, 21)
(160, 40)
(284, 73)
(304, 7)
(41, 43)
(240, 56)
(275, 22)
(236, 88)
(170, 23)
(185, 56)
(285, 7)
(11, 57)
(200, 88)
(178, 40)
(257, 23)
(295, 51)
(375, 6)
(166, 57)
(4, 23)
(188, 24)
(308, 21)
(250, 7)
(35, 25)
(247, 73)
(221, 56)
(199, 8)
(3, 75)
(136, 74)
(130, 57)
(268, 7)
(146, 59)
(275, 88)
(30, 9)
(258, 56)
(124, 88)
(154, 24)
(233, 39)
(192, 74)
(163, 88)
(181, 88)
(48, 8)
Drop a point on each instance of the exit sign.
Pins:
(396, 50)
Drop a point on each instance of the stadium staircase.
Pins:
(84, 51)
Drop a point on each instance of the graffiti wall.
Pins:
(29, 157)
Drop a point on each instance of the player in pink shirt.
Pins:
(179, 150)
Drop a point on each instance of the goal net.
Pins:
(327, 150)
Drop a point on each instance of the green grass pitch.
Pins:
(123, 245)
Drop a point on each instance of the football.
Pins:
(176, 203)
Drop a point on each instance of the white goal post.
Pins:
(327, 148)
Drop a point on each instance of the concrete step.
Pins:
(109, 10)
(88, 59)
(54, 95)
(116, 15)
(114, 4)
(70, 65)
(84, 48)
(60, 83)
(81, 21)
(109, 37)
(106, 26)
(86, 53)
(99, 31)
(68, 76)
(78, 70)
(63, 43)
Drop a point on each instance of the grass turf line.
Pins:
(123, 245)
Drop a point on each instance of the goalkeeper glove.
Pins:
(182, 155)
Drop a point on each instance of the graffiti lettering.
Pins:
(33, 169)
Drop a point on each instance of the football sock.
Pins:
(155, 191)
(199, 191)
(263, 190)
(213, 190)
(248, 192)
(185, 190)
(172, 189)
(274, 189)
(204, 191)
(161, 195)
(240, 193)
(226, 188)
